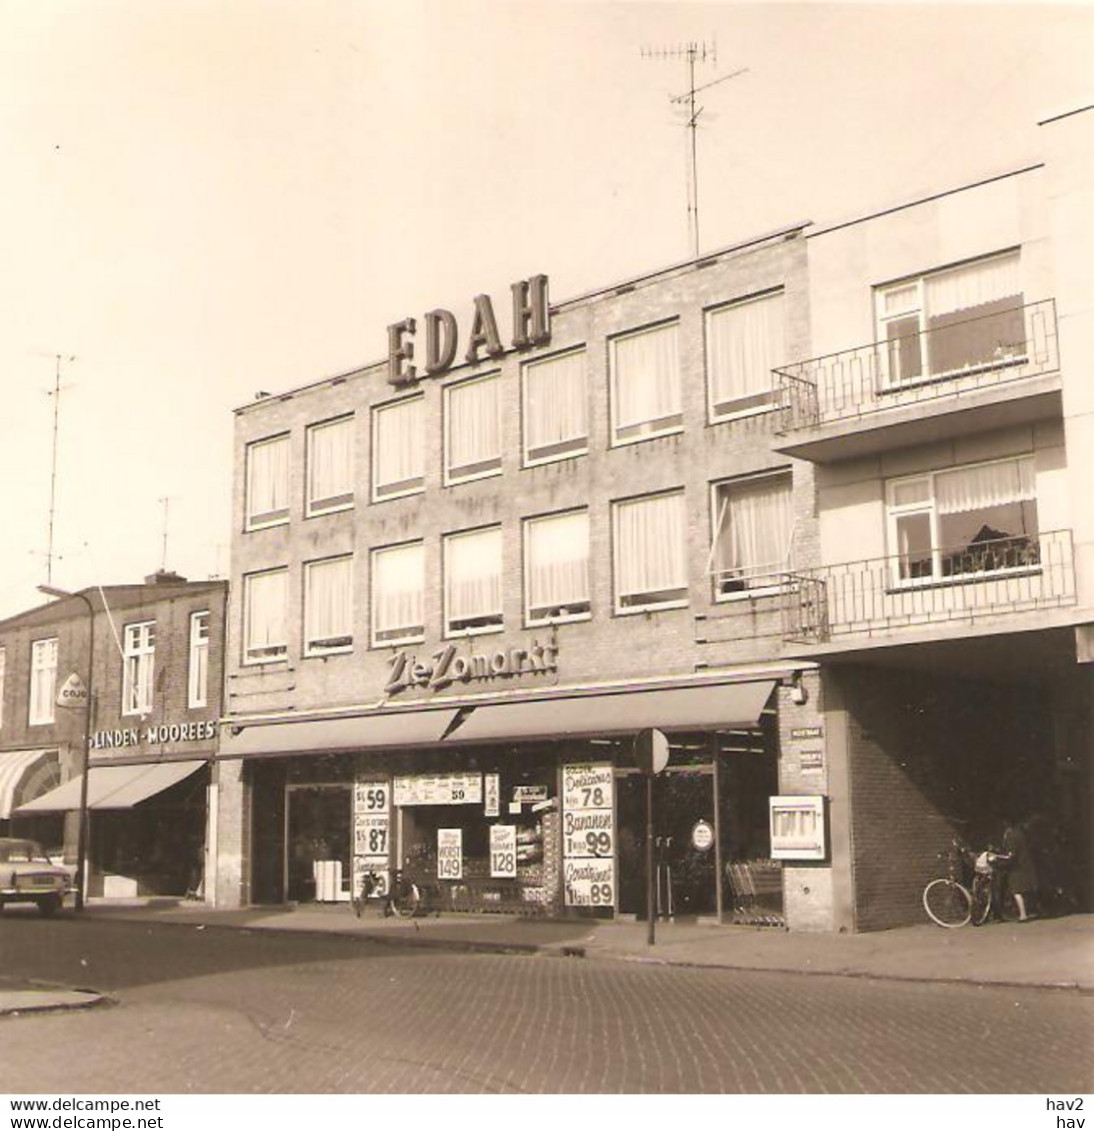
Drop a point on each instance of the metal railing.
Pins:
(946, 360)
(879, 595)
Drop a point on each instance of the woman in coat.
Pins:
(1022, 872)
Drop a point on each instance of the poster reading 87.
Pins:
(371, 833)
(588, 832)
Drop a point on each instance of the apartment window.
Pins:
(472, 581)
(745, 341)
(198, 680)
(328, 606)
(3, 668)
(268, 482)
(645, 369)
(398, 448)
(556, 567)
(43, 681)
(556, 408)
(753, 527)
(947, 322)
(965, 521)
(398, 594)
(264, 629)
(330, 466)
(472, 440)
(650, 552)
(138, 667)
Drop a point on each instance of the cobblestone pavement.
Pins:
(230, 1011)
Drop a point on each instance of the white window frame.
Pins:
(586, 613)
(475, 630)
(647, 429)
(719, 513)
(313, 644)
(277, 650)
(414, 488)
(917, 307)
(280, 515)
(752, 404)
(343, 500)
(197, 681)
(621, 609)
(567, 449)
(44, 699)
(406, 635)
(928, 506)
(487, 472)
(138, 667)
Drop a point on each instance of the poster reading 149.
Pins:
(450, 854)
(588, 830)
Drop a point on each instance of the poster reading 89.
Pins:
(588, 835)
(371, 833)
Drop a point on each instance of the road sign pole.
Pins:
(650, 916)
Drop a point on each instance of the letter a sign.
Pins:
(72, 692)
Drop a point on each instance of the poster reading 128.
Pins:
(588, 835)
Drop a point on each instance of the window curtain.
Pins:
(268, 482)
(990, 485)
(473, 575)
(266, 628)
(400, 443)
(651, 545)
(330, 602)
(556, 402)
(558, 561)
(647, 376)
(744, 343)
(474, 423)
(756, 528)
(331, 466)
(44, 680)
(398, 585)
(974, 284)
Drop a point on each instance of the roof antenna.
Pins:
(693, 52)
(163, 561)
(55, 393)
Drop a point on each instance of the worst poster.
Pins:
(588, 835)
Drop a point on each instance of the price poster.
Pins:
(491, 787)
(450, 854)
(371, 833)
(503, 851)
(588, 835)
(439, 789)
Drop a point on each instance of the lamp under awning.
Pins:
(359, 732)
(713, 707)
(113, 787)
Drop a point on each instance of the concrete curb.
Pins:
(53, 999)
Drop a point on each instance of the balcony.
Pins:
(956, 377)
(879, 596)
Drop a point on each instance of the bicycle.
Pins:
(403, 898)
(950, 902)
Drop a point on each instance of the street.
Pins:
(220, 1010)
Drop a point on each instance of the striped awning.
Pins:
(114, 787)
(15, 767)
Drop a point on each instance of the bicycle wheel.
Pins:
(981, 900)
(947, 903)
(406, 900)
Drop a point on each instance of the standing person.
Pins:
(1022, 872)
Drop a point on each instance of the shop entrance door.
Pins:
(318, 830)
(682, 797)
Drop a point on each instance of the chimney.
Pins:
(164, 577)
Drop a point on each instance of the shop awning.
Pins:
(362, 732)
(717, 707)
(113, 787)
(14, 767)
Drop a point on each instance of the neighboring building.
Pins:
(155, 688)
(853, 590)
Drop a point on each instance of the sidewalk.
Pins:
(1049, 953)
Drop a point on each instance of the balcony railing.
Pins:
(943, 360)
(878, 595)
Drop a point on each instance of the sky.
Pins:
(203, 200)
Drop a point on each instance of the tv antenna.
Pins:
(55, 393)
(166, 500)
(693, 52)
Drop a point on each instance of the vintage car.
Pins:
(28, 876)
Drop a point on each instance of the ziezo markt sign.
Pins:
(447, 666)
